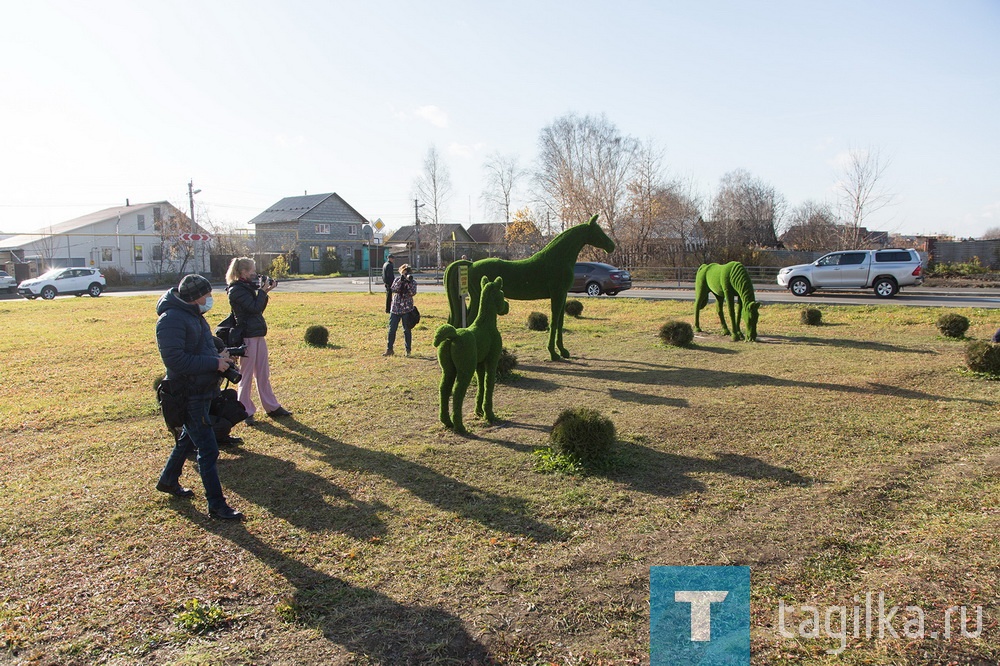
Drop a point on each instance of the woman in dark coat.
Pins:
(248, 299)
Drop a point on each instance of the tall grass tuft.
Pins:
(584, 435)
(953, 325)
(677, 333)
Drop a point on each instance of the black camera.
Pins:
(264, 281)
(237, 351)
(232, 374)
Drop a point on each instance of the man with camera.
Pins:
(193, 368)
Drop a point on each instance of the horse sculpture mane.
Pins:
(727, 282)
(462, 351)
(546, 274)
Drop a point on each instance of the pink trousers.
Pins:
(256, 366)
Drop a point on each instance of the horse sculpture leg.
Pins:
(737, 334)
(461, 387)
(558, 302)
(719, 298)
(447, 383)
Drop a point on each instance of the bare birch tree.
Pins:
(503, 175)
(813, 227)
(862, 191)
(433, 187)
(746, 213)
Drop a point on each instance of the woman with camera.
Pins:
(403, 289)
(248, 297)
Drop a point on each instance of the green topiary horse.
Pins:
(546, 274)
(728, 281)
(462, 351)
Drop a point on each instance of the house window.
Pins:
(323, 229)
(314, 252)
(352, 230)
(157, 253)
(107, 254)
(156, 216)
(138, 253)
(140, 221)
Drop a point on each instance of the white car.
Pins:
(7, 282)
(74, 280)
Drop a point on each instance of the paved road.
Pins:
(916, 296)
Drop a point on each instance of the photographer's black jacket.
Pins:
(186, 347)
(248, 304)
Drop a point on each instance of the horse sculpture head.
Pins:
(753, 313)
(597, 237)
(492, 293)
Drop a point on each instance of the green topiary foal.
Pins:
(462, 351)
(727, 281)
(546, 274)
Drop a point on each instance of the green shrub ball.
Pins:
(506, 364)
(983, 356)
(317, 336)
(538, 321)
(574, 308)
(677, 333)
(811, 316)
(583, 435)
(953, 325)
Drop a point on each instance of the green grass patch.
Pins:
(856, 456)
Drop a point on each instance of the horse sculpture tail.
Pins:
(445, 332)
(741, 283)
(451, 288)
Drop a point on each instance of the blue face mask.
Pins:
(207, 306)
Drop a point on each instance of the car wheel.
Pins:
(48, 293)
(886, 287)
(593, 289)
(799, 286)
(94, 290)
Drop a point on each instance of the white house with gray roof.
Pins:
(137, 239)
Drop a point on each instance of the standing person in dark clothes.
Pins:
(403, 289)
(193, 365)
(388, 275)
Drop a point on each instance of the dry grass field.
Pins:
(850, 458)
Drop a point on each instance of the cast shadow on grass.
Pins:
(848, 344)
(302, 498)
(365, 622)
(668, 474)
(505, 514)
(655, 375)
(646, 398)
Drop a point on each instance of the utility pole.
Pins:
(191, 193)
(416, 218)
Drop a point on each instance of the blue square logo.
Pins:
(699, 616)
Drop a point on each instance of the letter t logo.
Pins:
(701, 610)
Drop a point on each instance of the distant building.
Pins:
(313, 226)
(455, 241)
(137, 239)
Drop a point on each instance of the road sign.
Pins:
(379, 224)
(195, 237)
(463, 280)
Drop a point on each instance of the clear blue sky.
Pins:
(256, 101)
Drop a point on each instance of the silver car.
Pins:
(8, 282)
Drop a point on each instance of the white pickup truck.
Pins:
(885, 271)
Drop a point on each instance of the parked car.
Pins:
(885, 271)
(8, 282)
(596, 278)
(75, 280)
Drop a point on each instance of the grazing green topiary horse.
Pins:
(546, 274)
(727, 281)
(462, 351)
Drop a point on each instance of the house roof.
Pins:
(407, 233)
(76, 223)
(293, 209)
(488, 233)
